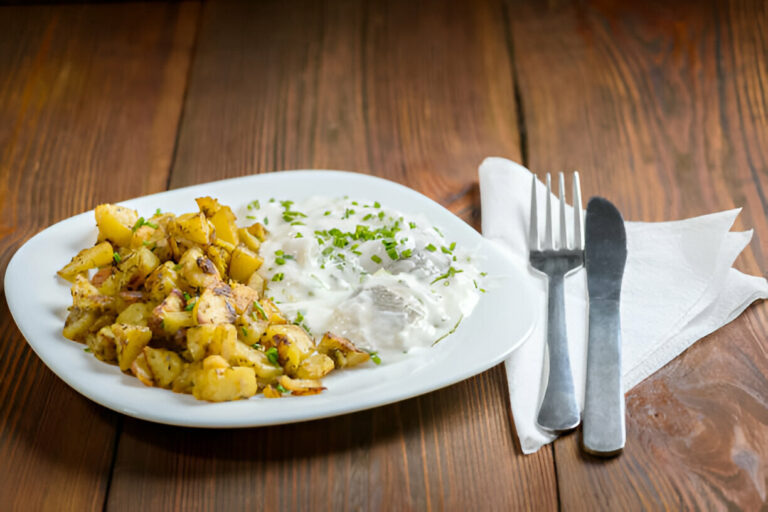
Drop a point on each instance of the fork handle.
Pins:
(559, 410)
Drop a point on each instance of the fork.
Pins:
(559, 411)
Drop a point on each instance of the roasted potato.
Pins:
(115, 223)
(244, 263)
(164, 364)
(343, 352)
(315, 366)
(224, 384)
(130, 341)
(92, 257)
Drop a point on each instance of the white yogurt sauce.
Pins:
(386, 281)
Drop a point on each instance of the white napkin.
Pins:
(678, 287)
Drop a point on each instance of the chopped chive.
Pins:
(368, 216)
(376, 258)
(381, 215)
(453, 246)
(299, 235)
(266, 221)
(412, 225)
(116, 257)
(445, 250)
(187, 296)
(245, 331)
(260, 309)
(177, 266)
(278, 277)
(251, 217)
(151, 224)
(450, 273)
(280, 260)
(327, 213)
(272, 355)
(431, 248)
(157, 212)
(281, 389)
(376, 204)
(375, 357)
(257, 346)
(483, 274)
(87, 349)
(449, 332)
(438, 231)
(190, 307)
(406, 254)
(138, 224)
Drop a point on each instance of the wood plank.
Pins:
(90, 98)
(415, 93)
(662, 107)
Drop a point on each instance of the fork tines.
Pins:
(578, 218)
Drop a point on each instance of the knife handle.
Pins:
(559, 411)
(604, 430)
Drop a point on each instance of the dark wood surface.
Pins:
(662, 107)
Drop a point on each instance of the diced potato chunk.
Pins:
(244, 262)
(87, 296)
(258, 230)
(137, 266)
(257, 283)
(270, 392)
(238, 353)
(315, 366)
(343, 352)
(243, 297)
(224, 384)
(198, 270)
(213, 306)
(215, 362)
(115, 223)
(220, 259)
(162, 281)
(172, 321)
(208, 339)
(165, 365)
(130, 341)
(140, 368)
(185, 380)
(273, 314)
(293, 345)
(249, 240)
(135, 314)
(92, 257)
(301, 387)
(103, 345)
(192, 228)
(224, 223)
(78, 323)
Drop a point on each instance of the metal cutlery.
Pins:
(559, 410)
(603, 431)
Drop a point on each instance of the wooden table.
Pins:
(663, 107)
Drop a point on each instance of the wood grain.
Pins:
(89, 104)
(662, 106)
(415, 93)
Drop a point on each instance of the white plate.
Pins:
(38, 301)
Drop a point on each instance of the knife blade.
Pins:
(605, 254)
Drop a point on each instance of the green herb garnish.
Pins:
(260, 309)
(451, 272)
(281, 389)
(116, 257)
(278, 277)
(272, 355)
(376, 258)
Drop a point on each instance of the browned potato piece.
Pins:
(130, 341)
(191, 229)
(164, 364)
(135, 314)
(343, 352)
(103, 345)
(198, 270)
(213, 306)
(224, 223)
(251, 328)
(220, 258)
(273, 314)
(224, 384)
(238, 353)
(315, 366)
(162, 281)
(115, 223)
(215, 362)
(92, 257)
(301, 387)
(184, 381)
(208, 339)
(140, 368)
(293, 345)
(78, 323)
(258, 230)
(257, 283)
(243, 297)
(87, 296)
(244, 263)
(137, 266)
(249, 240)
(173, 321)
(208, 205)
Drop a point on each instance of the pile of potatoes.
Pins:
(177, 301)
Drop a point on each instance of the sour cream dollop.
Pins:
(386, 281)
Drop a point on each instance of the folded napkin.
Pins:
(678, 287)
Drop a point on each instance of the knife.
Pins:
(605, 253)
